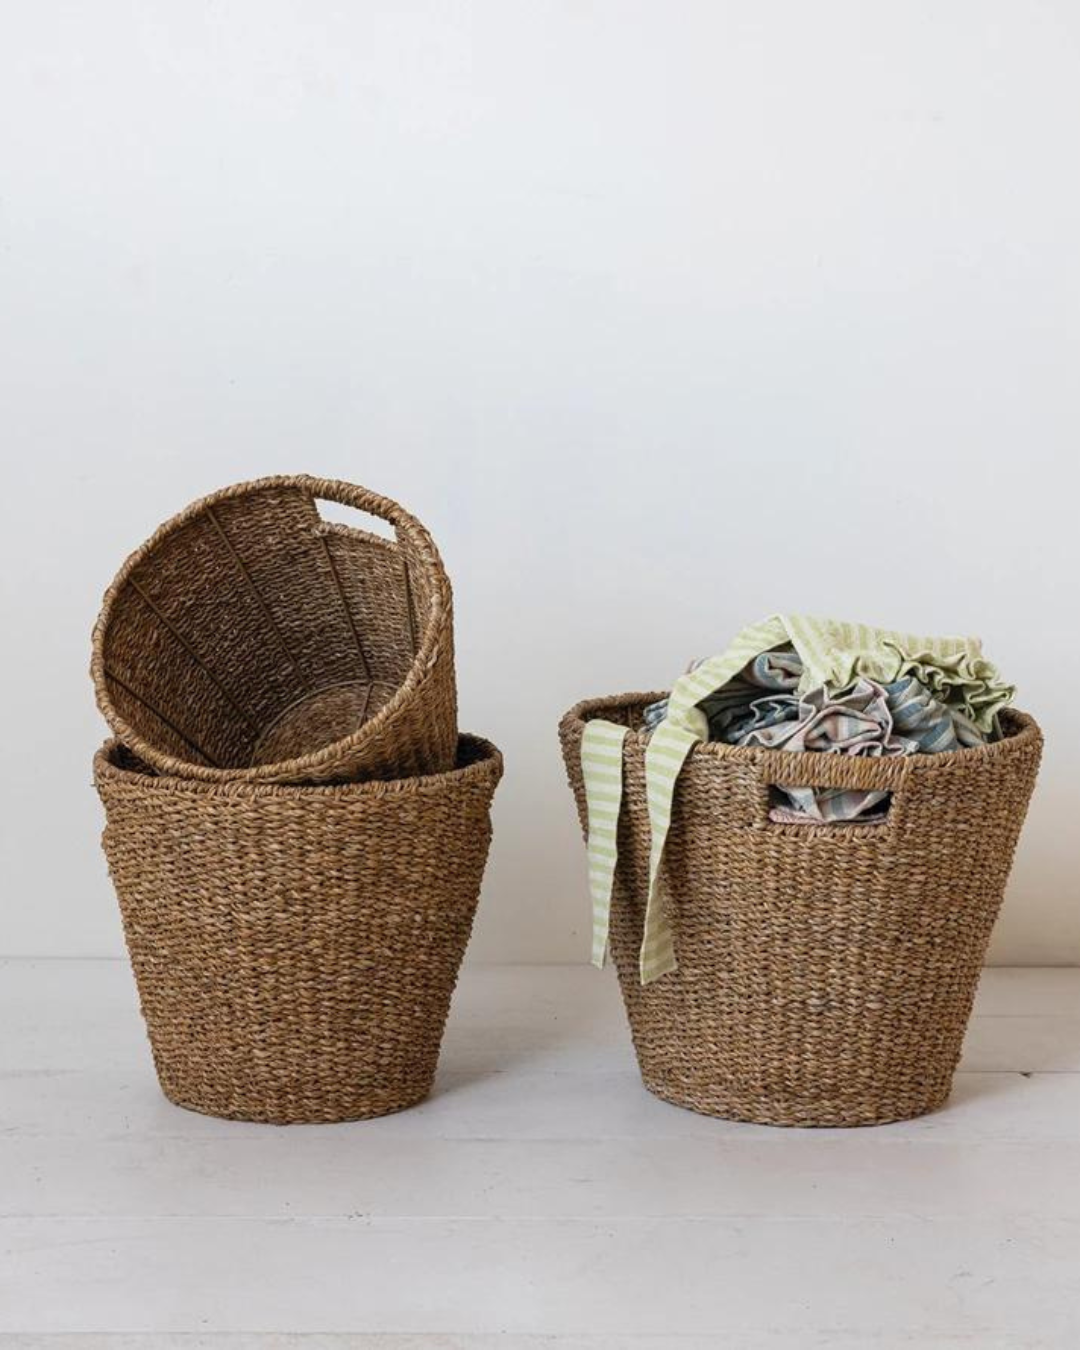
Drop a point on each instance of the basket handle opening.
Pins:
(880, 781)
(793, 804)
(338, 513)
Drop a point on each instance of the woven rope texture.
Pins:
(826, 973)
(249, 638)
(296, 948)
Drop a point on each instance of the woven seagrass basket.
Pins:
(826, 973)
(251, 639)
(296, 948)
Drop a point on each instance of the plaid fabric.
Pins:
(833, 654)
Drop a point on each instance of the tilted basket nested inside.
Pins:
(250, 638)
(826, 973)
(296, 948)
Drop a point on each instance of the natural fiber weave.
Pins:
(826, 973)
(251, 639)
(295, 948)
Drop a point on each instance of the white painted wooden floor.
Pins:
(540, 1199)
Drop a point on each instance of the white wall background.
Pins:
(663, 316)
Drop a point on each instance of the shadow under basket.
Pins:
(296, 948)
(826, 973)
(252, 638)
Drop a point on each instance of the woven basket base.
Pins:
(320, 718)
(824, 978)
(296, 948)
(793, 1113)
(311, 1106)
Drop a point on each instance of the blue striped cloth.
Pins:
(866, 717)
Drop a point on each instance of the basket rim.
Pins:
(1022, 731)
(327, 489)
(486, 767)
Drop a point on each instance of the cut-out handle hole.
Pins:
(337, 513)
(788, 806)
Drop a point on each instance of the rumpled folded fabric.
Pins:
(778, 670)
(966, 684)
(922, 717)
(852, 721)
(917, 710)
(760, 715)
(834, 655)
(902, 717)
(816, 810)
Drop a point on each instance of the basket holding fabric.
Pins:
(799, 855)
(933, 705)
(802, 684)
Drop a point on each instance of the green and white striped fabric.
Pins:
(601, 762)
(833, 653)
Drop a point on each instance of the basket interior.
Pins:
(629, 711)
(470, 750)
(257, 632)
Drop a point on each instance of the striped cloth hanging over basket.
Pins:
(817, 974)
(296, 948)
(251, 640)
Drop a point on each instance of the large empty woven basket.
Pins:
(296, 948)
(251, 639)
